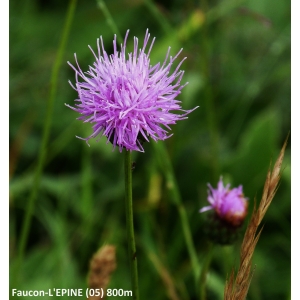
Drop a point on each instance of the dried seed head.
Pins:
(102, 265)
(237, 288)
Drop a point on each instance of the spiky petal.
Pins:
(126, 98)
(229, 204)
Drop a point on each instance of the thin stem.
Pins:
(188, 239)
(110, 21)
(176, 197)
(45, 137)
(128, 181)
(209, 104)
(165, 25)
(204, 271)
(129, 225)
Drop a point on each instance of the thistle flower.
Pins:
(230, 205)
(228, 210)
(127, 99)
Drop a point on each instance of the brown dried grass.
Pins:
(236, 287)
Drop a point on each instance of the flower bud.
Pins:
(229, 209)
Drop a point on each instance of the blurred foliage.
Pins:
(238, 69)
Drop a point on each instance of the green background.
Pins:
(238, 68)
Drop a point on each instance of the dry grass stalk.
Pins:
(165, 276)
(237, 288)
(102, 265)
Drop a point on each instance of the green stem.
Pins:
(204, 271)
(128, 181)
(129, 225)
(45, 137)
(209, 104)
(160, 19)
(166, 164)
(110, 21)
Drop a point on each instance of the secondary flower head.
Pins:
(230, 205)
(127, 99)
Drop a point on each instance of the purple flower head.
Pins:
(229, 204)
(127, 99)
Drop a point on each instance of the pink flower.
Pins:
(127, 99)
(229, 204)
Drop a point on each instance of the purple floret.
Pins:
(127, 99)
(229, 204)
